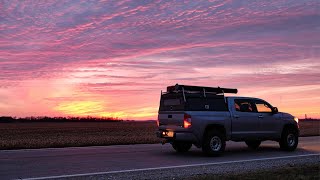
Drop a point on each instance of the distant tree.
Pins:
(59, 119)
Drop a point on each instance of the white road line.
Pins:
(169, 167)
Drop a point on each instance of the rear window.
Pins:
(171, 102)
(194, 102)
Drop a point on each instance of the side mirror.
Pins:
(275, 110)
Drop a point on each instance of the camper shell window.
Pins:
(194, 102)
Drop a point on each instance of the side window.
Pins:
(263, 107)
(206, 104)
(243, 105)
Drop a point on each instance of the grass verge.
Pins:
(309, 171)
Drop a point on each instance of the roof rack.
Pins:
(214, 90)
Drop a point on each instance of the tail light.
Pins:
(187, 121)
(158, 121)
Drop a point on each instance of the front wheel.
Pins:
(289, 140)
(214, 143)
(253, 144)
(181, 147)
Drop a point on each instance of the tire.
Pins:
(214, 143)
(289, 139)
(253, 144)
(181, 147)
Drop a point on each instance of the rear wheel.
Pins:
(289, 139)
(214, 143)
(181, 146)
(253, 144)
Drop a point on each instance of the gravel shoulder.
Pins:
(238, 170)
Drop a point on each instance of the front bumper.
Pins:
(177, 136)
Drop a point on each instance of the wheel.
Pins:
(253, 144)
(181, 146)
(214, 143)
(289, 139)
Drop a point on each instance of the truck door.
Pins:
(269, 123)
(245, 122)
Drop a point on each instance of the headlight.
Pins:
(296, 119)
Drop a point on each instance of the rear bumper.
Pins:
(178, 136)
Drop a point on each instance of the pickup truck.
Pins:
(206, 118)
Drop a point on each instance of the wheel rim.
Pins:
(291, 140)
(215, 143)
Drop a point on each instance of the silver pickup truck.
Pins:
(205, 117)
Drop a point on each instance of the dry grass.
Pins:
(309, 128)
(67, 134)
(307, 171)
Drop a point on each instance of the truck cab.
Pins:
(206, 118)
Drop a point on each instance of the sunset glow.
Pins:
(112, 58)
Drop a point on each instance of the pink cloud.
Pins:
(105, 53)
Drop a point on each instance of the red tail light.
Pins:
(187, 121)
(158, 123)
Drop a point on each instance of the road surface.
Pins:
(82, 162)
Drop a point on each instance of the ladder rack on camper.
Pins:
(199, 89)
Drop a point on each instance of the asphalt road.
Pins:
(103, 160)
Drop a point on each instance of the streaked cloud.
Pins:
(114, 57)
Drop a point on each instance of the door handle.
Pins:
(236, 116)
(260, 116)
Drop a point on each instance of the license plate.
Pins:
(168, 134)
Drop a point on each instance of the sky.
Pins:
(113, 58)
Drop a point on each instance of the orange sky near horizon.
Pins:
(112, 59)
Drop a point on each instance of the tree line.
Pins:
(8, 119)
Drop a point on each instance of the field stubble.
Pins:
(73, 134)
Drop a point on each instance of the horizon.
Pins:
(112, 59)
(89, 118)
